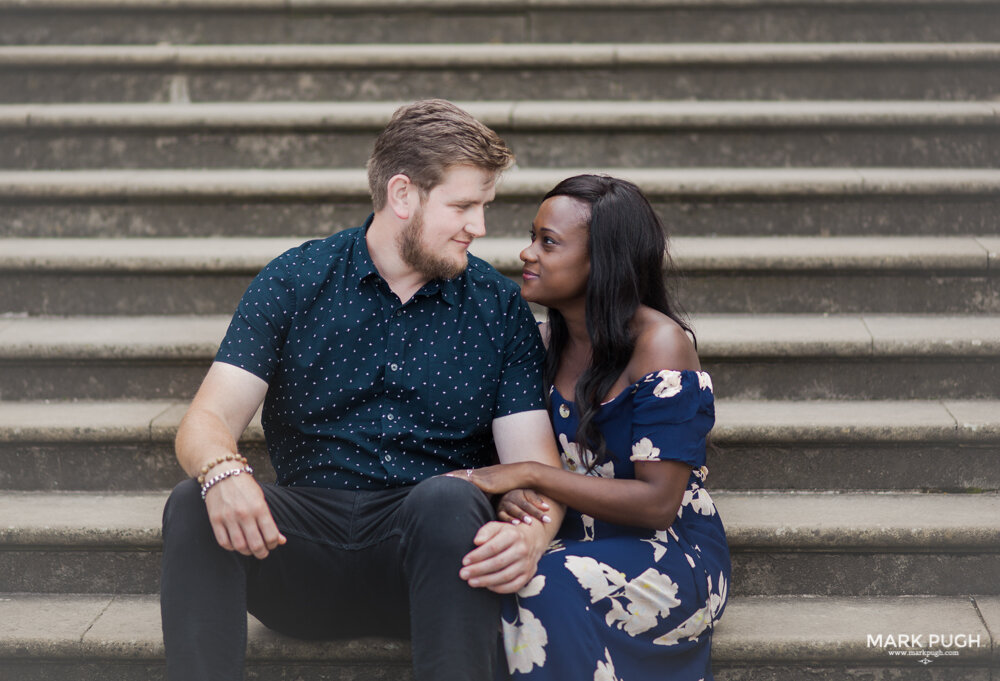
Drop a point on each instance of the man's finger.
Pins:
(237, 540)
(269, 531)
(498, 539)
(255, 542)
(504, 576)
(221, 535)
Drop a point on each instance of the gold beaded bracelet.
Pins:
(222, 459)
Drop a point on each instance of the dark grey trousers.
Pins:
(356, 563)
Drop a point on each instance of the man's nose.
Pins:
(477, 224)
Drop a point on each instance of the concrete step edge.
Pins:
(831, 522)
(490, 6)
(520, 55)
(247, 255)
(658, 183)
(554, 116)
(721, 336)
(756, 630)
(967, 422)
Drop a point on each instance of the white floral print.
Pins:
(525, 639)
(635, 604)
(577, 459)
(698, 499)
(643, 450)
(605, 669)
(670, 384)
(704, 381)
(701, 620)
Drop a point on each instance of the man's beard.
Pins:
(414, 254)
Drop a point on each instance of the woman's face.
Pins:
(557, 263)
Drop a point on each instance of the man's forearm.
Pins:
(202, 437)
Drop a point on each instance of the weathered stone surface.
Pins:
(695, 202)
(848, 573)
(763, 275)
(833, 631)
(470, 72)
(255, 22)
(799, 465)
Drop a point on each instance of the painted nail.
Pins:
(546, 519)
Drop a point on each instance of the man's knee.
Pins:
(443, 506)
(185, 510)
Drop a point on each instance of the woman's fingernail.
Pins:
(546, 519)
(527, 520)
(515, 521)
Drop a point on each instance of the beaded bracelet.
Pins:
(232, 472)
(222, 459)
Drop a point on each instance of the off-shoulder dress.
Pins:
(618, 603)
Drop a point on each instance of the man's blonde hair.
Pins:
(424, 139)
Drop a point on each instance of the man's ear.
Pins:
(401, 195)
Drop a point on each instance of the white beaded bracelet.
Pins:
(232, 472)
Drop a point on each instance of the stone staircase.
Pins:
(828, 169)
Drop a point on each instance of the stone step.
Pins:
(695, 202)
(737, 274)
(161, 73)
(949, 445)
(782, 543)
(510, 21)
(778, 638)
(750, 356)
(319, 135)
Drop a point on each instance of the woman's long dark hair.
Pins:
(629, 266)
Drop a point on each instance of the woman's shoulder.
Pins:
(660, 343)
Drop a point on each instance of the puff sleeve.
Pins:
(673, 412)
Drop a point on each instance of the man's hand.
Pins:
(506, 556)
(240, 517)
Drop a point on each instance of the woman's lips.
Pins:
(528, 274)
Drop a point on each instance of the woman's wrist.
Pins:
(532, 475)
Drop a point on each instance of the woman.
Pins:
(638, 576)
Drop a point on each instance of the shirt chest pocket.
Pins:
(462, 389)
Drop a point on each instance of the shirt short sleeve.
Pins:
(673, 412)
(262, 319)
(520, 386)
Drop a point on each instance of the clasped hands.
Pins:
(507, 550)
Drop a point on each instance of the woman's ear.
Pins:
(399, 196)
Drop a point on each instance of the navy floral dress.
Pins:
(618, 603)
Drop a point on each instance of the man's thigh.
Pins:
(340, 573)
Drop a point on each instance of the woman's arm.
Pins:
(650, 500)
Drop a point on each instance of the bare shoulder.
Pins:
(661, 343)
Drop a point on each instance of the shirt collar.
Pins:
(363, 267)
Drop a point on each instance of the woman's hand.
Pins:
(496, 479)
(521, 505)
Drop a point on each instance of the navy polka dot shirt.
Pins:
(367, 393)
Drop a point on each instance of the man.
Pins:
(387, 356)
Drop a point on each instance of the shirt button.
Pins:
(388, 458)
(564, 411)
(390, 417)
(393, 367)
(397, 313)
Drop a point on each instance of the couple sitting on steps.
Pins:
(395, 371)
